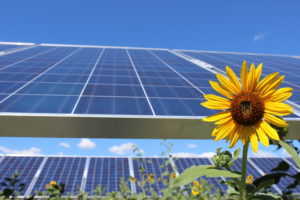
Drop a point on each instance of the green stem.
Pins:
(243, 191)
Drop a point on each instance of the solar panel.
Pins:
(185, 163)
(145, 167)
(67, 170)
(75, 84)
(268, 164)
(108, 173)
(26, 167)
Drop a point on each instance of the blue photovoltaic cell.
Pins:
(8, 47)
(25, 166)
(108, 173)
(67, 170)
(143, 167)
(267, 164)
(185, 163)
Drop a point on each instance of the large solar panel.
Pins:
(66, 170)
(9, 47)
(145, 168)
(185, 163)
(26, 167)
(77, 173)
(268, 164)
(108, 173)
(130, 92)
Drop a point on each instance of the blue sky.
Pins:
(240, 26)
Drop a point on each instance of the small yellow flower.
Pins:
(195, 192)
(47, 186)
(249, 179)
(132, 179)
(248, 106)
(53, 183)
(173, 175)
(151, 178)
(158, 179)
(196, 183)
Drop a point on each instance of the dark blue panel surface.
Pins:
(25, 166)
(106, 172)
(268, 164)
(111, 105)
(143, 167)
(6, 47)
(67, 170)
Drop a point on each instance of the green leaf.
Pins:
(265, 184)
(292, 152)
(195, 172)
(261, 196)
(235, 156)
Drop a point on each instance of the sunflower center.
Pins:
(247, 108)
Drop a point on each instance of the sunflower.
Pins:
(248, 106)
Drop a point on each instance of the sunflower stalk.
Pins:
(243, 191)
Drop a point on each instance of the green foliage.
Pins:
(292, 152)
(195, 172)
(222, 158)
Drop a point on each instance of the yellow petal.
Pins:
(266, 95)
(224, 120)
(275, 120)
(220, 128)
(226, 131)
(258, 72)
(267, 80)
(234, 138)
(218, 116)
(215, 98)
(244, 74)
(273, 85)
(263, 138)
(254, 140)
(271, 132)
(233, 78)
(251, 80)
(215, 105)
(217, 87)
(277, 108)
(227, 84)
(281, 94)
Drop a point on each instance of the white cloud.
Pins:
(86, 143)
(33, 151)
(189, 154)
(261, 153)
(260, 36)
(64, 144)
(192, 146)
(123, 149)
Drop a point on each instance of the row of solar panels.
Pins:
(86, 173)
(123, 81)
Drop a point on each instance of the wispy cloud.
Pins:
(261, 153)
(124, 149)
(33, 151)
(86, 143)
(192, 146)
(189, 154)
(260, 36)
(64, 144)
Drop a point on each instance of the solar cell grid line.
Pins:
(115, 98)
(267, 164)
(107, 172)
(292, 162)
(137, 74)
(25, 166)
(87, 81)
(67, 170)
(27, 58)
(185, 163)
(143, 167)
